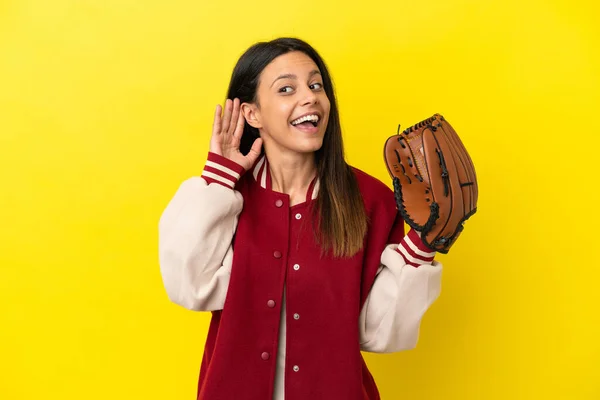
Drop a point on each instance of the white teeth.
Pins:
(313, 118)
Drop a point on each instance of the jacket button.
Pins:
(265, 356)
(271, 303)
(279, 203)
(296, 316)
(298, 216)
(296, 368)
(277, 254)
(296, 267)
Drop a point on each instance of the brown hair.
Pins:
(339, 211)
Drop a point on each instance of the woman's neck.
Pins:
(292, 173)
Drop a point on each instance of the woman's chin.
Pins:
(310, 145)
(298, 143)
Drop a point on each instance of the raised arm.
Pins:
(197, 226)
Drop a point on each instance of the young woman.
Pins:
(301, 258)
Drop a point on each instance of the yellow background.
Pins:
(106, 106)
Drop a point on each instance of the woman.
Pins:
(301, 258)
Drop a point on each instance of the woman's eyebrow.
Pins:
(292, 76)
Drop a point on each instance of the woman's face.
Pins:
(290, 87)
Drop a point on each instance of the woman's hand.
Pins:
(227, 133)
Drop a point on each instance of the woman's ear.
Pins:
(251, 114)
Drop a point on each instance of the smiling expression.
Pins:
(293, 108)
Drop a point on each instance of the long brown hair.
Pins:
(339, 209)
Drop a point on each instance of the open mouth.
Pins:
(307, 122)
(309, 127)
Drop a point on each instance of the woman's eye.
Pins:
(289, 89)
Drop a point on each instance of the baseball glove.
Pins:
(434, 180)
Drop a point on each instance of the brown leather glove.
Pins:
(434, 180)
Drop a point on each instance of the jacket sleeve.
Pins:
(407, 283)
(195, 236)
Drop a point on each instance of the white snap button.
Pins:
(296, 267)
(296, 368)
(296, 316)
(298, 216)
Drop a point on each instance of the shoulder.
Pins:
(374, 192)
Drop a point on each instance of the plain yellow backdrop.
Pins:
(106, 106)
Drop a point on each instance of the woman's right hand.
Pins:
(227, 133)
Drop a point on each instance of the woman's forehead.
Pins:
(296, 63)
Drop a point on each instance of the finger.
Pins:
(234, 116)
(255, 150)
(239, 128)
(236, 138)
(217, 121)
(396, 153)
(226, 116)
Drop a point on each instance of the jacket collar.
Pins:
(262, 175)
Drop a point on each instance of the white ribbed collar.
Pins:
(262, 175)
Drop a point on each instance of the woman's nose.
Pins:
(308, 96)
